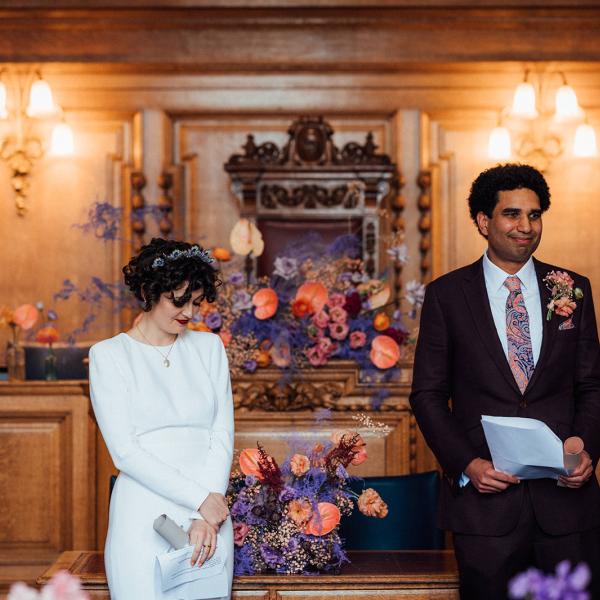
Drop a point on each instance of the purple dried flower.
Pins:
(285, 267)
(241, 300)
(236, 278)
(213, 320)
(52, 316)
(249, 365)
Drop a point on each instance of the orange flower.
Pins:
(299, 464)
(359, 448)
(47, 335)
(381, 321)
(6, 316)
(266, 302)
(26, 316)
(300, 308)
(385, 352)
(199, 326)
(326, 519)
(314, 293)
(225, 336)
(263, 358)
(249, 462)
(299, 511)
(221, 254)
(371, 504)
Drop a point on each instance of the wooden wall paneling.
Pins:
(46, 480)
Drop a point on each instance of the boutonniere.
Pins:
(562, 294)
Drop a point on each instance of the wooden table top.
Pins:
(431, 568)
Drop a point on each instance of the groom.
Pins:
(486, 347)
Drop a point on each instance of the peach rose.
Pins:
(299, 464)
(240, 531)
(47, 335)
(381, 321)
(199, 326)
(299, 511)
(371, 504)
(221, 254)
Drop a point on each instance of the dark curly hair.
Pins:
(483, 196)
(148, 283)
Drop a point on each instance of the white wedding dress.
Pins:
(169, 431)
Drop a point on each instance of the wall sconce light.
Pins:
(538, 133)
(22, 147)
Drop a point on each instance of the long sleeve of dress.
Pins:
(108, 389)
(221, 443)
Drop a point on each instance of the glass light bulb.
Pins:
(62, 143)
(499, 144)
(3, 108)
(585, 142)
(567, 107)
(41, 103)
(524, 102)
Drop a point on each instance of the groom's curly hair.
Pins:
(483, 196)
(151, 273)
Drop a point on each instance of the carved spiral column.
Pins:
(165, 204)
(424, 204)
(398, 229)
(138, 203)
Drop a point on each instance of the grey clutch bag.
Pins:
(170, 531)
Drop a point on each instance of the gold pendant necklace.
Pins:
(165, 357)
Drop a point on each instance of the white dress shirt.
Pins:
(497, 294)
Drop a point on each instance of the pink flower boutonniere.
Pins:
(562, 294)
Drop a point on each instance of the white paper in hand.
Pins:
(525, 448)
(208, 581)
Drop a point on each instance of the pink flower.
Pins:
(240, 531)
(315, 356)
(371, 504)
(299, 464)
(338, 331)
(560, 278)
(321, 319)
(358, 339)
(325, 345)
(564, 306)
(336, 300)
(338, 315)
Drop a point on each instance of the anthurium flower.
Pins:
(325, 519)
(385, 352)
(245, 237)
(26, 316)
(313, 293)
(266, 303)
(249, 462)
(47, 335)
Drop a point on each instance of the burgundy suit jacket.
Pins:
(461, 373)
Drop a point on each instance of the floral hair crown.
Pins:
(193, 252)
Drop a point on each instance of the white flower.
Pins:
(399, 252)
(39, 305)
(285, 267)
(19, 591)
(415, 293)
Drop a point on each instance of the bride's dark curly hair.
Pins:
(155, 271)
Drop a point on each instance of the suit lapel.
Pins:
(479, 305)
(549, 328)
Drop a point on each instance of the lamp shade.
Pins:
(499, 144)
(585, 145)
(567, 107)
(523, 105)
(62, 143)
(3, 107)
(41, 103)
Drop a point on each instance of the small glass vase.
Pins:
(15, 361)
(50, 373)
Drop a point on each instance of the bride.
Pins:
(161, 394)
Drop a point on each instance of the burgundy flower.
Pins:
(353, 304)
(397, 335)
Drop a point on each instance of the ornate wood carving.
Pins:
(165, 203)
(138, 203)
(398, 228)
(311, 178)
(424, 203)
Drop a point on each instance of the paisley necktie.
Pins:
(520, 352)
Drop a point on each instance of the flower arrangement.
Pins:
(560, 284)
(564, 584)
(62, 586)
(318, 304)
(285, 518)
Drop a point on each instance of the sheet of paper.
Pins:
(525, 448)
(175, 570)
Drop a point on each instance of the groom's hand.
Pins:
(486, 479)
(581, 474)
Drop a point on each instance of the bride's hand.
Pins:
(204, 539)
(214, 510)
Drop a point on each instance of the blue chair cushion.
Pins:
(411, 520)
